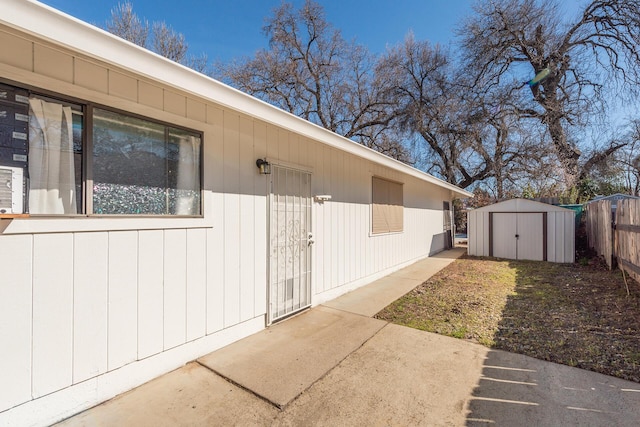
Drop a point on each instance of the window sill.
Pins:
(25, 224)
(387, 233)
(12, 216)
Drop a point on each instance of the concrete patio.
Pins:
(336, 365)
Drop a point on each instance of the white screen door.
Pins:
(289, 242)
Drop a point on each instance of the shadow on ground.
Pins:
(515, 388)
(579, 317)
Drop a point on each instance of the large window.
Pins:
(387, 214)
(82, 159)
(142, 167)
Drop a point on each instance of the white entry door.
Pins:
(290, 242)
(518, 235)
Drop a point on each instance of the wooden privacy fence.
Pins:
(616, 236)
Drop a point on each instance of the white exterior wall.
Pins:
(478, 233)
(561, 236)
(91, 307)
(560, 228)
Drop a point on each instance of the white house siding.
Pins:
(91, 307)
(345, 251)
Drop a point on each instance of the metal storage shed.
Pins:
(522, 229)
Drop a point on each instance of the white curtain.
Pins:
(188, 180)
(51, 167)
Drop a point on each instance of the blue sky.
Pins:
(228, 29)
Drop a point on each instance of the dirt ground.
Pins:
(574, 314)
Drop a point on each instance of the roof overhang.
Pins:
(61, 29)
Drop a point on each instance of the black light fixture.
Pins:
(264, 166)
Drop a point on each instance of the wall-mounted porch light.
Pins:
(264, 166)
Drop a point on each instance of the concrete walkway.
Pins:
(335, 365)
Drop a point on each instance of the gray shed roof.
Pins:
(522, 205)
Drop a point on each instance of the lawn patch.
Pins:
(573, 314)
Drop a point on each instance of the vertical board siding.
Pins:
(175, 288)
(247, 171)
(214, 182)
(569, 240)
(317, 218)
(52, 313)
(123, 298)
(473, 234)
(260, 223)
(231, 252)
(150, 293)
(564, 224)
(15, 320)
(196, 270)
(334, 221)
(552, 229)
(90, 295)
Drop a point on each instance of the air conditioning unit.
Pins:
(11, 190)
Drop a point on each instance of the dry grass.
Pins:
(577, 315)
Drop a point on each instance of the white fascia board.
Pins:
(52, 25)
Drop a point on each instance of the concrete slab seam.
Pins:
(240, 386)
(335, 366)
(344, 310)
(283, 407)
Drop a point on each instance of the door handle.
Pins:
(517, 236)
(310, 240)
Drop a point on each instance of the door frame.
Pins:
(544, 230)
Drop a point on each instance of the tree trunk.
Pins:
(567, 153)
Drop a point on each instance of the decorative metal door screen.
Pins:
(290, 242)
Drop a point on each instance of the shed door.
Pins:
(518, 235)
(505, 228)
(289, 242)
(530, 232)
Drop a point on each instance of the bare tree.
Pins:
(459, 134)
(200, 63)
(162, 38)
(628, 159)
(168, 43)
(311, 71)
(631, 161)
(125, 24)
(505, 37)
(416, 79)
